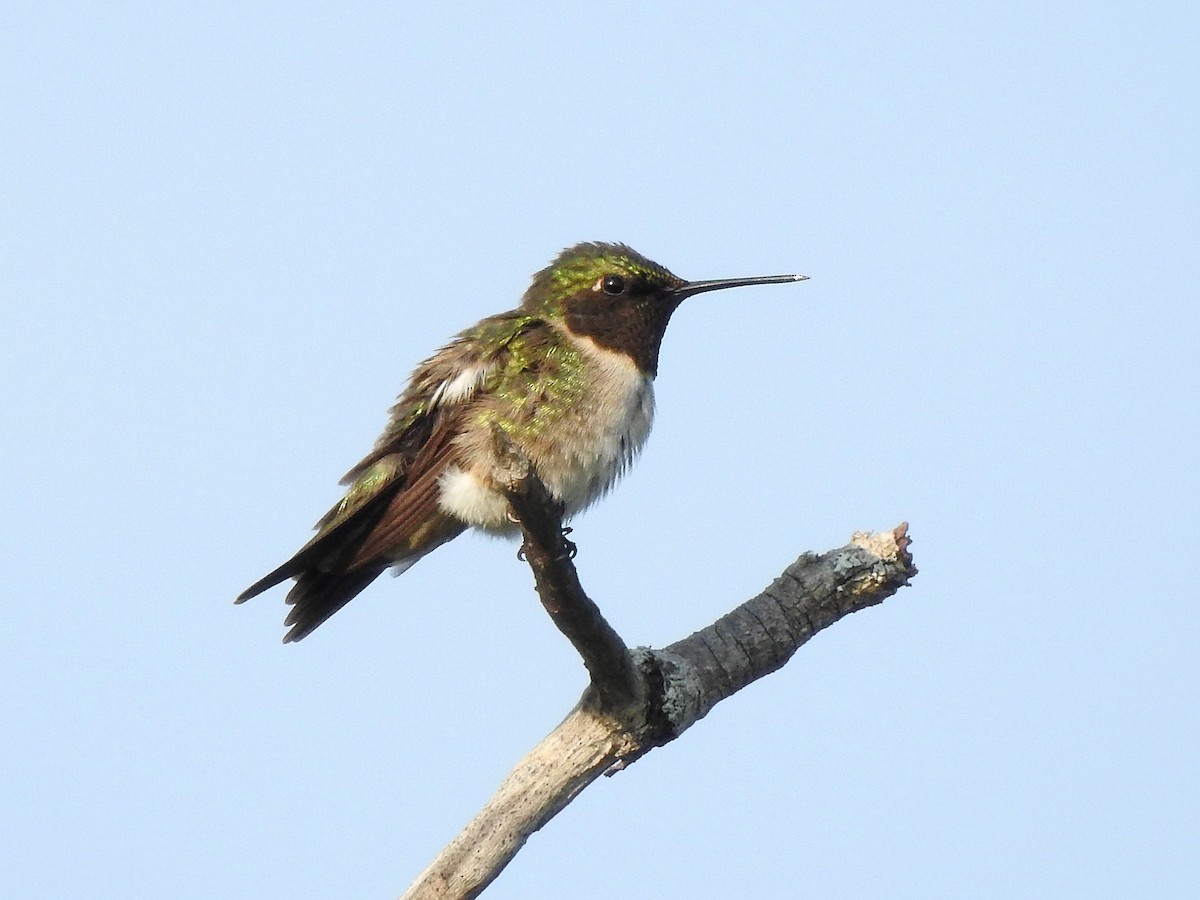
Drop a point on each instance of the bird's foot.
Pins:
(569, 546)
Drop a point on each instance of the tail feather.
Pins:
(395, 526)
(288, 570)
(330, 551)
(318, 595)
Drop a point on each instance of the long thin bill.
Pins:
(699, 287)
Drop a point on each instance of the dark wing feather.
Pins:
(390, 513)
(330, 549)
(412, 517)
(408, 526)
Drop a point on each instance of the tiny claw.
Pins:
(569, 545)
(521, 557)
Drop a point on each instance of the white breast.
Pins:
(597, 451)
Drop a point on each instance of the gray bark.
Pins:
(645, 698)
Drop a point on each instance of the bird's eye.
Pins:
(613, 284)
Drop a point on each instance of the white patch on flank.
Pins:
(469, 501)
(461, 387)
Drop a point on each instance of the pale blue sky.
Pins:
(230, 232)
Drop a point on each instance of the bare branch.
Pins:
(567, 760)
(652, 696)
(549, 554)
(761, 635)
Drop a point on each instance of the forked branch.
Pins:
(645, 698)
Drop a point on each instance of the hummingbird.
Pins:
(567, 378)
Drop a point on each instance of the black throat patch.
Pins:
(629, 324)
